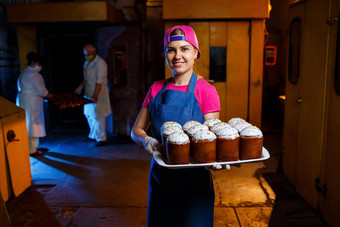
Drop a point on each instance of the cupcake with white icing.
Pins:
(203, 145)
(227, 144)
(189, 124)
(193, 129)
(211, 122)
(251, 142)
(217, 127)
(241, 125)
(232, 122)
(178, 148)
(171, 124)
(167, 129)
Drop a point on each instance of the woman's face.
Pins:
(180, 56)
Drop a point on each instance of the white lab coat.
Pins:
(96, 72)
(32, 89)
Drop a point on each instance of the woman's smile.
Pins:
(178, 64)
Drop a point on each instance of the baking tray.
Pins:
(68, 100)
(159, 159)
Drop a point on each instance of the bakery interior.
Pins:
(274, 63)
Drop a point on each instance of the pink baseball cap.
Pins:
(189, 36)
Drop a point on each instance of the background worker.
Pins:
(95, 86)
(32, 91)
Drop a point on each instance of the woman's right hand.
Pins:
(150, 144)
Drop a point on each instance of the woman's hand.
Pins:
(151, 144)
(219, 167)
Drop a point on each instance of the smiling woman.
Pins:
(181, 53)
(178, 197)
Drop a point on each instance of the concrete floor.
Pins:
(78, 184)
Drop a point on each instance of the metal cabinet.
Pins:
(15, 171)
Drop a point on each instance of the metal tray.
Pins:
(159, 159)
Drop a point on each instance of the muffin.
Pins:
(251, 142)
(227, 144)
(189, 124)
(203, 147)
(232, 122)
(178, 148)
(193, 129)
(166, 130)
(241, 125)
(217, 127)
(211, 121)
(172, 124)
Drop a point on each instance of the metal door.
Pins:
(293, 92)
(305, 106)
(330, 179)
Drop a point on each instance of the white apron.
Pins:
(32, 89)
(96, 72)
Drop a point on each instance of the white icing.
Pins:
(232, 122)
(204, 135)
(171, 129)
(241, 125)
(210, 122)
(251, 131)
(228, 133)
(217, 127)
(170, 124)
(189, 124)
(178, 138)
(195, 128)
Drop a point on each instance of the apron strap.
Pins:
(192, 84)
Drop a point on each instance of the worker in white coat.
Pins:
(32, 91)
(95, 85)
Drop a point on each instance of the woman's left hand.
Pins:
(219, 167)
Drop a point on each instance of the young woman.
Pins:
(178, 197)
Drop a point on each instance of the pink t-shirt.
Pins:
(206, 94)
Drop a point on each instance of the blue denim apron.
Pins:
(178, 197)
